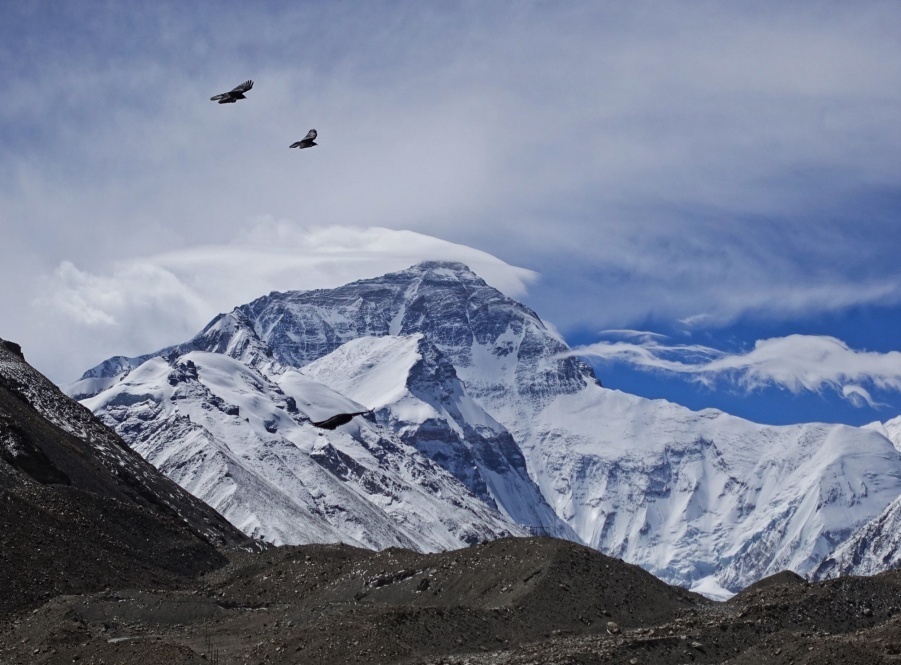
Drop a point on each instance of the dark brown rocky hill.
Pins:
(511, 601)
(80, 511)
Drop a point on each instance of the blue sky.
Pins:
(720, 179)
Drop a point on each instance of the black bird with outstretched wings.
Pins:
(307, 141)
(338, 420)
(233, 95)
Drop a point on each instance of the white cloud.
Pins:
(141, 304)
(859, 396)
(796, 363)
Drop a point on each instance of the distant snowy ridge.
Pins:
(876, 546)
(473, 383)
(890, 429)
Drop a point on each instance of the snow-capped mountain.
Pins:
(242, 441)
(876, 546)
(474, 383)
(414, 391)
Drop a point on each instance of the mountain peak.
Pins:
(480, 392)
(453, 266)
(441, 272)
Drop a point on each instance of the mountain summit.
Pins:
(483, 422)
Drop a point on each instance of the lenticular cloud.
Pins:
(151, 301)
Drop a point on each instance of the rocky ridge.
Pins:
(79, 510)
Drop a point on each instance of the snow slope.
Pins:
(691, 495)
(415, 392)
(876, 546)
(243, 443)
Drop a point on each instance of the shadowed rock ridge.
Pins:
(79, 510)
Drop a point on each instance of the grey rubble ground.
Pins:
(508, 601)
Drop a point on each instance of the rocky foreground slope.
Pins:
(79, 510)
(512, 601)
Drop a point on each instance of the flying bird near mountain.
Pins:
(234, 94)
(338, 420)
(307, 141)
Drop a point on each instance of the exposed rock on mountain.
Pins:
(873, 548)
(414, 391)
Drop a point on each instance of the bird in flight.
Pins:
(307, 141)
(233, 95)
(338, 420)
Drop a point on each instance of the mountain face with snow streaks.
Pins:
(243, 442)
(472, 384)
(494, 342)
(414, 391)
(876, 546)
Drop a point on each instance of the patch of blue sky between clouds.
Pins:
(811, 371)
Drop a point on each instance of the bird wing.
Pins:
(306, 141)
(244, 87)
(337, 420)
(216, 98)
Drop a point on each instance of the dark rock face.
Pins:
(446, 302)
(18, 450)
(79, 510)
(434, 377)
(12, 347)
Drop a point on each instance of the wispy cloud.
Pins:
(796, 363)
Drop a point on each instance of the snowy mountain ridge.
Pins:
(242, 441)
(414, 391)
(516, 429)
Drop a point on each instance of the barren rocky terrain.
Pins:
(508, 601)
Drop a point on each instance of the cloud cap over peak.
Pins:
(140, 304)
